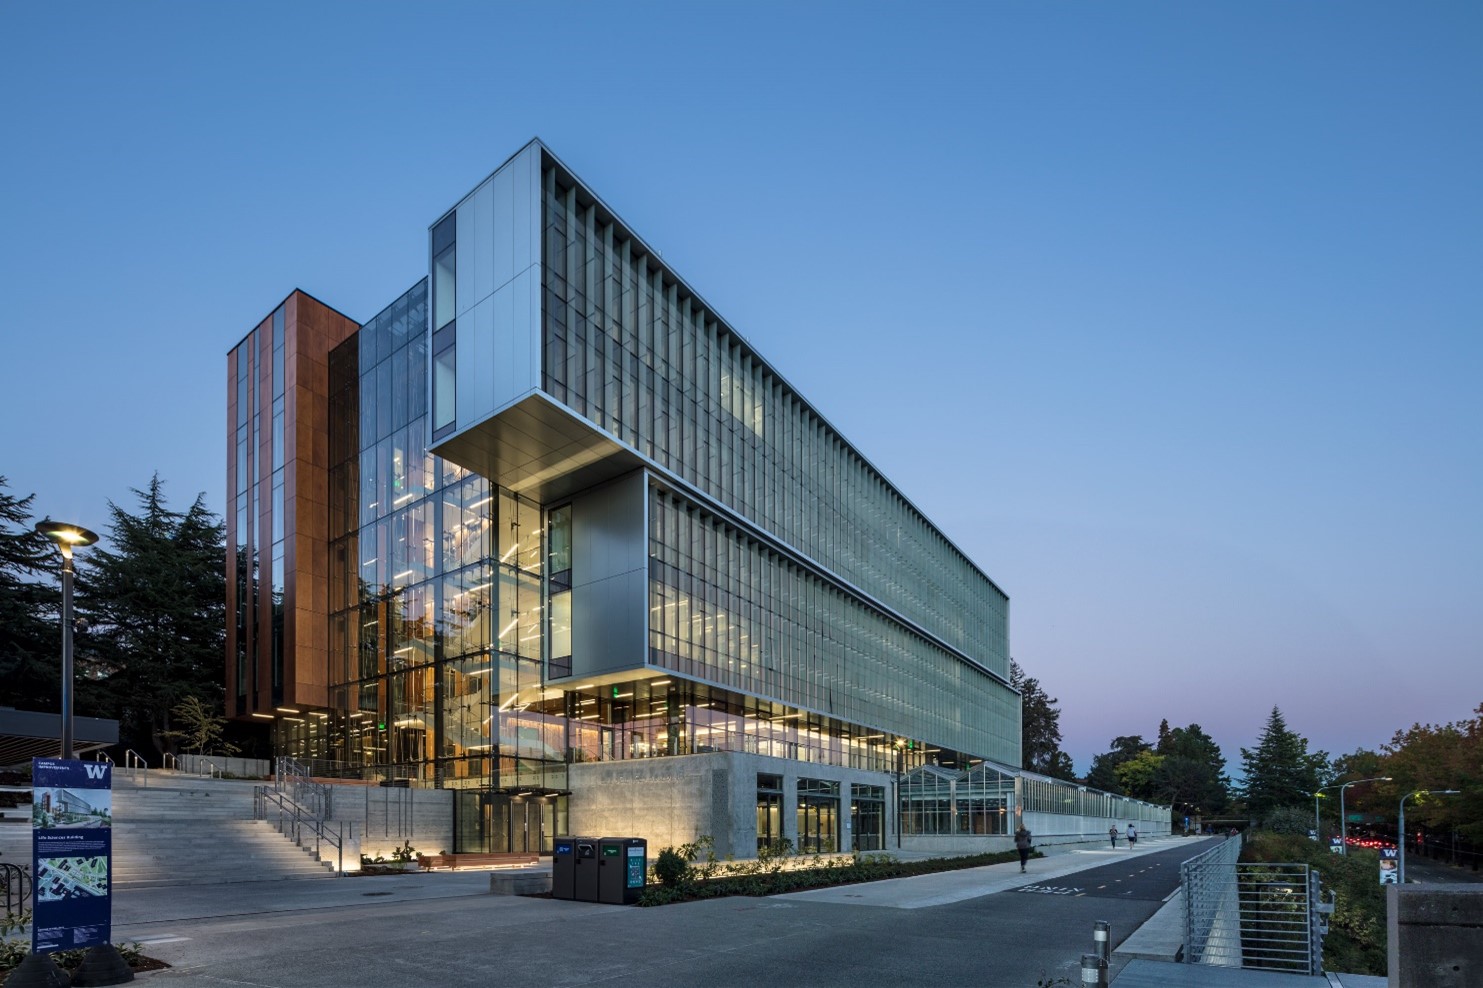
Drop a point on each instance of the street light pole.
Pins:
(66, 537)
(1343, 817)
(1401, 828)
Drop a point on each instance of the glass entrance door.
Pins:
(493, 822)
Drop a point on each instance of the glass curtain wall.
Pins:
(242, 545)
(730, 610)
(435, 586)
(632, 350)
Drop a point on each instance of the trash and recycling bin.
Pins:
(621, 872)
(607, 869)
(564, 867)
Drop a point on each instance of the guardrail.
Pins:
(15, 890)
(292, 822)
(293, 778)
(1256, 916)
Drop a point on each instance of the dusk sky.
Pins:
(1169, 315)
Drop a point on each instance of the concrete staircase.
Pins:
(172, 829)
(175, 829)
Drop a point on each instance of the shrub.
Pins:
(745, 881)
(671, 868)
(1356, 942)
(1288, 820)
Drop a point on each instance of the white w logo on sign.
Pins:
(94, 771)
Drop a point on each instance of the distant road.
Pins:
(1425, 870)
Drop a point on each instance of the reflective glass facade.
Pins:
(629, 347)
(434, 591)
(568, 515)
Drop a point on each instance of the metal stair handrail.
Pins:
(135, 763)
(169, 761)
(292, 822)
(210, 769)
(292, 778)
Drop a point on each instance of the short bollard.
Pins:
(1093, 971)
(1102, 934)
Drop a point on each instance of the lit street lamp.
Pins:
(1401, 828)
(1343, 818)
(66, 537)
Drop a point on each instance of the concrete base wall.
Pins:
(956, 845)
(1435, 935)
(672, 801)
(1063, 828)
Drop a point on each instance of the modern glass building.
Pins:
(549, 532)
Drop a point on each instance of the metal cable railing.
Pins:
(1263, 916)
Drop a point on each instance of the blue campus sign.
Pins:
(1389, 866)
(71, 854)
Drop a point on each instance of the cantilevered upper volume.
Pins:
(567, 354)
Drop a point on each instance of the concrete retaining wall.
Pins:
(384, 817)
(1435, 935)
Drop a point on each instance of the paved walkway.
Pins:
(944, 888)
(218, 934)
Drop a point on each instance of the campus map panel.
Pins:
(71, 853)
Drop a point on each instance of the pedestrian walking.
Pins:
(1023, 844)
(1112, 832)
(1132, 837)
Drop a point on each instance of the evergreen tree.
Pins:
(156, 601)
(1280, 771)
(1193, 772)
(30, 638)
(1040, 728)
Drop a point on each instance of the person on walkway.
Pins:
(1112, 832)
(1023, 845)
(1132, 837)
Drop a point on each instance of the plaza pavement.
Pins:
(445, 928)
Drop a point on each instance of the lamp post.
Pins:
(1343, 818)
(1401, 828)
(66, 537)
(900, 803)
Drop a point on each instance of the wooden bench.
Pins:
(427, 862)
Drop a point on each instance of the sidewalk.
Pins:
(943, 888)
(215, 932)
